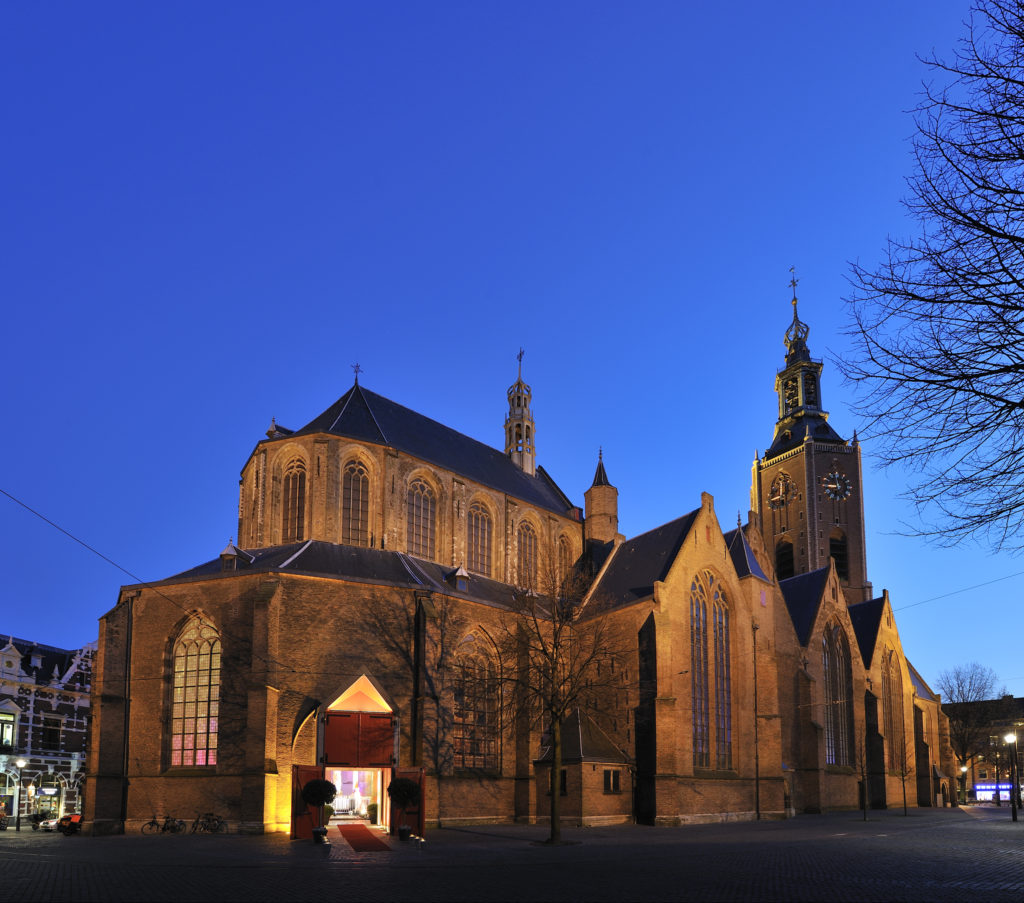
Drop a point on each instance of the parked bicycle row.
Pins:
(207, 823)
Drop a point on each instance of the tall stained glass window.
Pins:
(195, 706)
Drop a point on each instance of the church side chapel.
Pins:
(355, 633)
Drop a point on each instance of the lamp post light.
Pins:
(1011, 743)
(21, 763)
(963, 785)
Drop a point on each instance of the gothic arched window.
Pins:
(421, 520)
(784, 568)
(479, 539)
(526, 540)
(723, 680)
(294, 503)
(710, 655)
(195, 696)
(355, 505)
(837, 548)
(565, 559)
(475, 711)
(835, 653)
(892, 710)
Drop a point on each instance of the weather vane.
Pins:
(356, 369)
(793, 281)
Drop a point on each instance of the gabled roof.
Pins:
(866, 618)
(638, 563)
(368, 417)
(743, 559)
(584, 741)
(353, 564)
(803, 599)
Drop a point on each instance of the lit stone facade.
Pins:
(44, 720)
(352, 633)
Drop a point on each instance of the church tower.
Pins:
(807, 487)
(519, 429)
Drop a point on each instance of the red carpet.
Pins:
(362, 839)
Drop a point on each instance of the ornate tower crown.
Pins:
(796, 335)
(519, 426)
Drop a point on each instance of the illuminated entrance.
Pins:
(358, 751)
(359, 792)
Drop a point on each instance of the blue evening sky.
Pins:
(210, 211)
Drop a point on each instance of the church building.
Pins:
(354, 633)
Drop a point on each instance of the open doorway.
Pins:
(360, 794)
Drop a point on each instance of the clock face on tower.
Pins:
(837, 485)
(782, 491)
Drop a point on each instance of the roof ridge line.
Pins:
(298, 552)
(341, 413)
(373, 416)
(405, 564)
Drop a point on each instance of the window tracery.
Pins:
(526, 541)
(710, 656)
(422, 519)
(195, 700)
(475, 711)
(294, 502)
(835, 653)
(479, 529)
(355, 505)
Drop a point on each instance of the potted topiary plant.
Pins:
(404, 793)
(319, 793)
(371, 813)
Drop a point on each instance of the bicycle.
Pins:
(170, 826)
(210, 824)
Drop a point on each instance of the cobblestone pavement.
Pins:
(974, 854)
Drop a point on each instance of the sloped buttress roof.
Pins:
(803, 598)
(866, 617)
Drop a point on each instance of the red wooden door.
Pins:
(415, 816)
(303, 816)
(359, 740)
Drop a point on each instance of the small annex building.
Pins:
(351, 633)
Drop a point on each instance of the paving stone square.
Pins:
(974, 854)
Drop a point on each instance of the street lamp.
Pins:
(963, 784)
(21, 763)
(1011, 742)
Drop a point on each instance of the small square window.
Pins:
(611, 780)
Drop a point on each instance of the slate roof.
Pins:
(742, 555)
(638, 563)
(866, 618)
(803, 599)
(50, 657)
(368, 417)
(584, 741)
(798, 428)
(600, 476)
(353, 564)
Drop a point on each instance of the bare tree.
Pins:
(938, 325)
(904, 766)
(555, 660)
(972, 701)
(417, 637)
